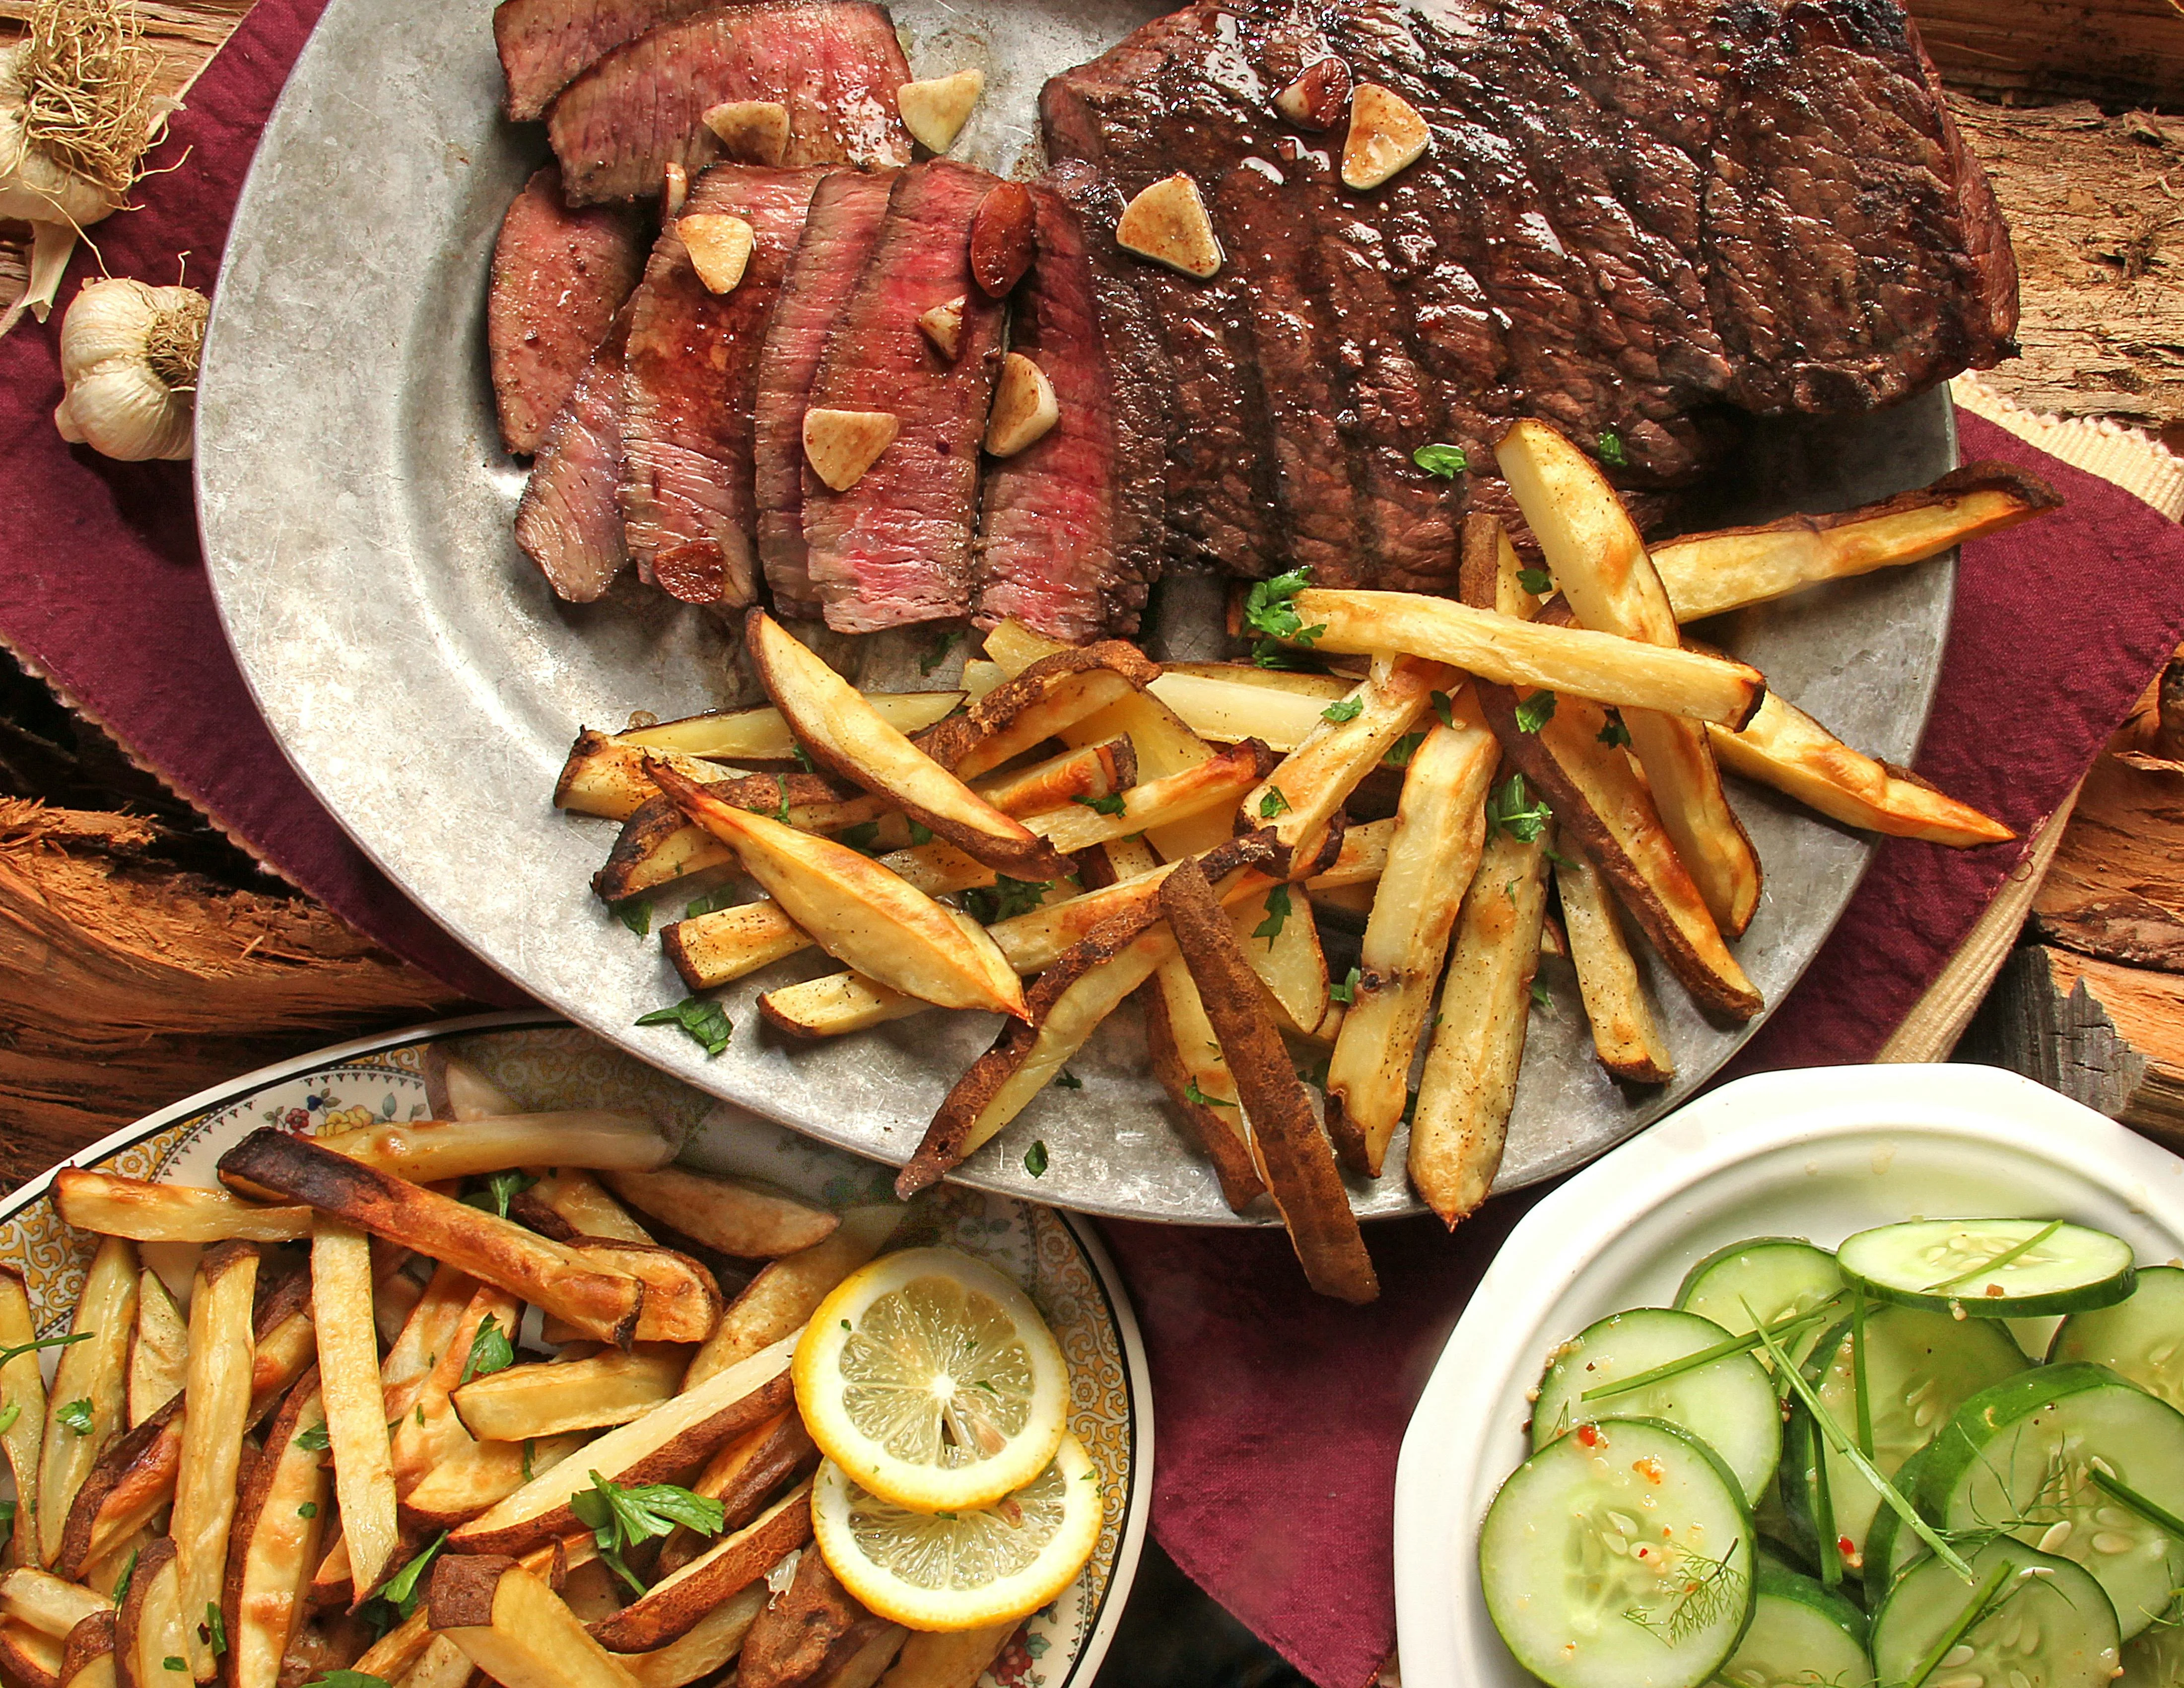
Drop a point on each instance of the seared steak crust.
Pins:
(544, 43)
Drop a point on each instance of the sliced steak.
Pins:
(569, 521)
(840, 232)
(895, 549)
(1071, 526)
(834, 63)
(558, 276)
(544, 43)
(692, 367)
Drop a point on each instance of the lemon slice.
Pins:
(961, 1570)
(932, 1380)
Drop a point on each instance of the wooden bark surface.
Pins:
(2126, 51)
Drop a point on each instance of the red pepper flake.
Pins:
(1589, 1434)
(1648, 1467)
(1846, 1546)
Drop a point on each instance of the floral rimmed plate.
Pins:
(546, 1063)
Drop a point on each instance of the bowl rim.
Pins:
(1548, 1255)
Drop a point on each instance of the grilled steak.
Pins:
(1071, 526)
(1632, 214)
(558, 276)
(569, 521)
(838, 232)
(544, 43)
(834, 63)
(693, 366)
(895, 548)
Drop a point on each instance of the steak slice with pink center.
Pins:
(1073, 525)
(838, 235)
(693, 366)
(544, 44)
(895, 549)
(834, 63)
(558, 276)
(569, 521)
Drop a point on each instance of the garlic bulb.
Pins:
(129, 369)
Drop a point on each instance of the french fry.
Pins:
(1218, 782)
(1293, 1154)
(30, 1657)
(796, 1633)
(356, 1410)
(728, 1214)
(1784, 748)
(87, 1654)
(23, 1387)
(1597, 559)
(1469, 1083)
(487, 1246)
(581, 1202)
(1186, 1058)
(1228, 710)
(1295, 682)
(278, 1521)
(1624, 1035)
(862, 1656)
(723, 945)
(443, 1664)
(669, 1439)
(455, 1088)
(546, 1400)
(859, 912)
(1281, 941)
(682, 1297)
(1363, 856)
(658, 844)
(1056, 694)
(784, 1294)
(761, 735)
(92, 1377)
(704, 1648)
(433, 1151)
(429, 1433)
(674, 1605)
(949, 1658)
(149, 1630)
(146, 1212)
(425, 1335)
(158, 1355)
(1710, 574)
(1440, 829)
(479, 1474)
(515, 1628)
(1094, 770)
(844, 734)
(284, 1343)
(1301, 797)
(215, 1412)
(742, 1476)
(53, 1606)
(1068, 1001)
(603, 778)
(133, 1479)
(1570, 661)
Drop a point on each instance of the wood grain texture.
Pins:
(2128, 50)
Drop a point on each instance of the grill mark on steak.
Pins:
(834, 63)
(558, 276)
(1071, 526)
(568, 522)
(840, 230)
(688, 487)
(544, 43)
(896, 548)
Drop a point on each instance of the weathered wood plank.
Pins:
(2127, 51)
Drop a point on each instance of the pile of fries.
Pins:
(1037, 843)
(573, 1466)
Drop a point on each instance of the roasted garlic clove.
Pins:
(1386, 135)
(1316, 99)
(1024, 407)
(1166, 222)
(934, 112)
(720, 249)
(1003, 238)
(840, 445)
(750, 131)
(943, 325)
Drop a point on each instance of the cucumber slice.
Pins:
(1890, 1547)
(1775, 1276)
(2154, 1658)
(2142, 1339)
(2048, 1626)
(1728, 1403)
(1998, 1268)
(1920, 1367)
(1801, 1636)
(1620, 1557)
(2019, 1457)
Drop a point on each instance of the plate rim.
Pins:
(1137, 1376)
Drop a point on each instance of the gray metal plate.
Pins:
(355, 509)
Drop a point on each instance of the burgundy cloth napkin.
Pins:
(1278, 1415)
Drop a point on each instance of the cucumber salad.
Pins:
(1946, 1454)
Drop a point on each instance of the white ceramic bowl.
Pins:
(1818, 1153)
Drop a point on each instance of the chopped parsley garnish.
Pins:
(500, 1189)
(315, 1439)
(1005, 899)
(128, 1569)
(1191, 1093)
(1447, 461)
(1535, 711)
(936, 652)
(490, 1352)
(310, 1509)
(1035, 1162)
(174, 1662)
(1516, 812)
(863, 837)
(1270, 614)
(213, 1631)
(1611, 450)
(1400, 752)
(636, 914)
(1273, 803)
(1278, 914)
(400, 1592)
(1615, 732)
(76, 1416)
(1444, 706)
(1111, 804)
(1540, 997)
(709, 902)
(802, 758)
(1346, 992)
(780, 789)
(1344, 709)
(920, 834)
(1067, 1080)
(706, 1023)
(619, 1517)
(1537, 581)
(348, 1678)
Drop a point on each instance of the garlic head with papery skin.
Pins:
(129, 369)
